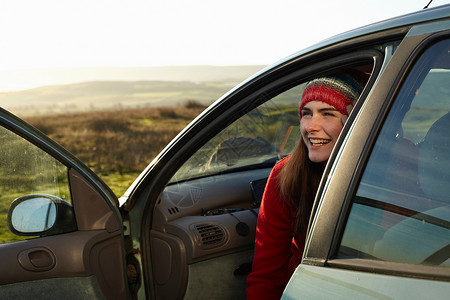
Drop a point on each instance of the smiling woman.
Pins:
(320, 127)
(326, 103)
(286, 205)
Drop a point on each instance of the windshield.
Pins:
(257, 139)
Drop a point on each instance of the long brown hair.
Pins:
(299, 180)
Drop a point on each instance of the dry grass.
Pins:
(117, 141)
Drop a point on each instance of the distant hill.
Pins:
(138, 87)
(101, 95)
(14, 80)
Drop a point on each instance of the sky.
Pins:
(56, 34)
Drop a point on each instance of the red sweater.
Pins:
(277, 250)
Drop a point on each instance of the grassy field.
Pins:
(117, 144)
(107, 95)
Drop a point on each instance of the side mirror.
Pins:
(40, 215)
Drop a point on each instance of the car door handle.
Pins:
(37, 259)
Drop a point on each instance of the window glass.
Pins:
(401, 211)
(259, 138)
(25, 169)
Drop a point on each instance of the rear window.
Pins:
(401, 212)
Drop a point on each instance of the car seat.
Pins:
(402, 182)
(422, 236)
(434, 162)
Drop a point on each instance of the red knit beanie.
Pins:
(340, 91)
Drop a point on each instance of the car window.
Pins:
(25, 169)
(401, 211)
(259, 138)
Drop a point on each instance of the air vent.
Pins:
(210, 235)
(173, 210)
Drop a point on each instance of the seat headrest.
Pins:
(434, 160)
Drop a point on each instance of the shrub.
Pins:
(194, 104)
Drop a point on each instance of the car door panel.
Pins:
(91, 211)
(84, 264)
(80, 254)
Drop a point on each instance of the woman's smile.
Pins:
(318, 141)
(320, 125)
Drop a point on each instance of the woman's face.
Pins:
(320, 126)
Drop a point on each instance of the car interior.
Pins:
(204, 223)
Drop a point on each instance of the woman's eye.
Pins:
(306, 113)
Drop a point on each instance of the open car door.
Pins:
(60, 227)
